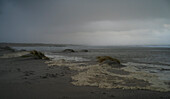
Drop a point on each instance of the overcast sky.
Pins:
(92, 22)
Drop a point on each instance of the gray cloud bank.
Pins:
(92, 22)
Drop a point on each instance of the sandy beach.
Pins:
(29, 78)
(84, 49)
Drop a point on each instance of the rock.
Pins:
(107, 59)
(109, 62)
(7, 48)
(113, 62)
(83, 50)
(68, 50)
(38, 55)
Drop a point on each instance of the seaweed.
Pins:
(38, 55)
(101, 59)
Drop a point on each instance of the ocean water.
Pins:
(140, 54)
(135, 55)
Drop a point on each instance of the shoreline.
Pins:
(27, 78)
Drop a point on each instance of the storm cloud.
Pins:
(91, 22)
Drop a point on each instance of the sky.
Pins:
(87, 22)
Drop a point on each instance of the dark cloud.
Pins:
(79, 21)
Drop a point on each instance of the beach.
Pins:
(77, 75)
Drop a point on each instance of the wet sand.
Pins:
(28, 78)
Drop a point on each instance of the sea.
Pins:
(151, 59)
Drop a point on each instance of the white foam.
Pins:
(162, 71)
(98, 75)
(68, 58)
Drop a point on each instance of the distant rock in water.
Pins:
(68, 50)
(7, 48)
(71, 50)
(84, 50)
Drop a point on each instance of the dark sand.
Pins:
(28, 78)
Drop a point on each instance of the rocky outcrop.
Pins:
(38, 55)
(7, 48)
(102, 59)
(68, 50)
(84, 50)
(113, 62)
